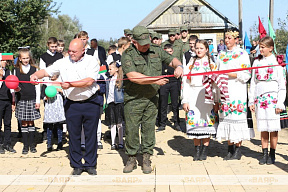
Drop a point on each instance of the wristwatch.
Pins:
(180, 66)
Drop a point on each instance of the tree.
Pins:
(106, 44)
(20, 20)
(281, 39)
(282, 36)
(62, 27)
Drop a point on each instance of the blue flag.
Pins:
(247, 44)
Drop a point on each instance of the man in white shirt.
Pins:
(78, 73)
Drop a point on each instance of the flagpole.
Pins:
(271, 12)
(240, 17)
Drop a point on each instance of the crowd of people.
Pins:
(89, 81)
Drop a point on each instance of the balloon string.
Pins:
(161, 76)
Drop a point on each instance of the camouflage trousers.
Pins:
(140, 112)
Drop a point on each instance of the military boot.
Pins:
(146, 168)
(130, 165)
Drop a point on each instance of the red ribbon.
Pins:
(164, 76)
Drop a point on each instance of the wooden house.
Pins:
(198, 15)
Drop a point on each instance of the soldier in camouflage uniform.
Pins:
(183, 42)
(177, 47)
(156, 39)
(143, 60)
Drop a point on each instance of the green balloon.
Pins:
(50, 91)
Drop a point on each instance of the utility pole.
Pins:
(271, 11)
(240, 17)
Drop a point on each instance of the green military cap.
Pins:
(183, 28)
(141, 35)
(178, 31)
(172, 32)
(155, 35)
(127, 32)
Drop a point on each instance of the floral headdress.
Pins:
(234, 34)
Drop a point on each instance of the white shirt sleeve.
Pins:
(54, 69)
(244, 76)
(184, 60)
(37, 88)
(185, 87)
(1, 82)
(42, 65)
(109, 59)
(251, 93)
(281, 72)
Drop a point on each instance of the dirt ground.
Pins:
(173, 167)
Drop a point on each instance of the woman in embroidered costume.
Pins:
(233, 115)
(200, 117)
(266, 97)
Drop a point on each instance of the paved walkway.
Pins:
(174, 169)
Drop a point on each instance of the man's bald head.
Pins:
(76, 49)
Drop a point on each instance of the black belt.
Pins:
(87, 100)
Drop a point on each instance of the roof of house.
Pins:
(166, 4)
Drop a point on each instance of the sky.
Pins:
(103, 19)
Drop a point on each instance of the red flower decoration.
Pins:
(264, 105)
(240, 107)
(225, 60)
(270, 70)
(280, 59)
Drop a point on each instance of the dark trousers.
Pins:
(6, 114)
(173, 89)
(86, 115)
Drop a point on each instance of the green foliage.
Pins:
(281, 39)
(62, 27)
(282, 36)
(20, 20)
(106, 44)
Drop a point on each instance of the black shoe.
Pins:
(271, 158)
(161, 128)
(59, 146)
(19, 135)
(25, 150)
(33, 149)
(120, 146)
(264, 158)
(114, 147)
(203, 155)
(83, 148)
(44, 136)
(2, 151)
(91, 171)
(77, 171)
(177, 127)
(50, 148)
(9, 148)
(197, 154)
(237, 155)
(231, 150)
(100, 146)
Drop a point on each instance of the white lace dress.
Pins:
(233, 115)
(201, 119)
(267, 92)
